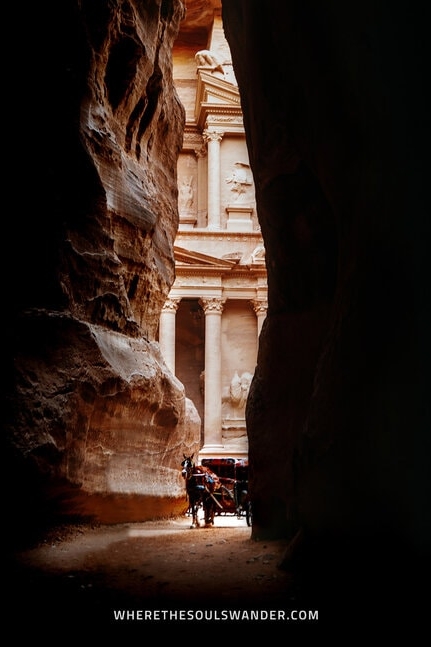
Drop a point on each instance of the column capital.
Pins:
(260, 306)
(171, 304)
(212, 135)
(212, 304)
(200, 152)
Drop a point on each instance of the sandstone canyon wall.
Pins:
(335, 116)
(338, 417)
(96, 424)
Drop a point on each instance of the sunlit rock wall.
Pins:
(96, 423)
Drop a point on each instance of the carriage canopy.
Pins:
(228, 468)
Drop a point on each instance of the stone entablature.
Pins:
(223, 242)
(193, 288)
(193, 140)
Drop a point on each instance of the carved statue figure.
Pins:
(186, 194)
(240, 180)
(239, 388)
(206, 58)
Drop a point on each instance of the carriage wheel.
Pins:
(248, 514)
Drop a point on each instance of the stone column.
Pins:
(213, 308)
(260, 308)
(213, 139)
(167, 331)
(201, 156)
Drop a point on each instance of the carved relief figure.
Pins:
(241, 181)
(239, 388)
(186, 195)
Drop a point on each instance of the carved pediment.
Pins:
(212, 89)
(195, 260)
(216, 97)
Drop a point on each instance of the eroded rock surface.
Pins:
(96, 423)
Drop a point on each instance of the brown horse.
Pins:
(201, 486)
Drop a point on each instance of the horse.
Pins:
(201, 486)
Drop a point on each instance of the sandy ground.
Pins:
(82, 583)
(82, 576)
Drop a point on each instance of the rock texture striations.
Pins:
(97, 424)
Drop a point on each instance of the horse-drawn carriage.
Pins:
(220, 485)
(233, 475)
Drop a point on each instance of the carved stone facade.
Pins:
(211, 321)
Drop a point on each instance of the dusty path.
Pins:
(84, 575)
(73, 586)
